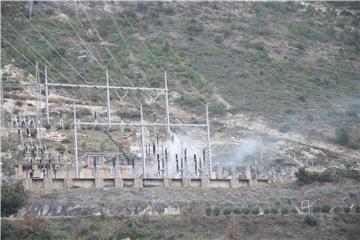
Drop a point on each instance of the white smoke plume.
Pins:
(239, 155)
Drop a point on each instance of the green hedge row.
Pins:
(284, 210)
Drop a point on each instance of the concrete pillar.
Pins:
(186, 182)
(47, 183)
(68, 182)
(219, 172)
(248, 172)
(119, 182)
(99, 182)
(234, 183)
(28, 184)
(205, 181)
(252, 182)
(167, 182)
(138, 182)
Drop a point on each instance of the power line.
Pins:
(72, 67)
(77, 34)
(41, 56)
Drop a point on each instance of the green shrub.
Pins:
(217, 108)
(58, 127)
(347, 210)
(189, 101)
(67, 126)
(245, 211)
(83, 112)
(208, 212)
(341, 137)
(60, 148)
(216, 211)
(357, 209)
(285, 211)
(337, 210)
(266, 211)
(12, 196)
(47, 126)
(306, 177)
(98, 128)
(346, 173)
(194, 30)
(325, 209)
(255, 211)
(227, 211)
(237, 211)
(65, 141)
(310, 221)
(316, 209)
(293, 211)
(274, 211)
(306, 210)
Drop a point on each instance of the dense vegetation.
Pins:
(12, 196)
(307, 177)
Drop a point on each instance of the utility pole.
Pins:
(37, 94)
(208, 140)
(2, 105)
(167, 105)
(142, 141)
(31, 3)
(108, 98)
(76, 143)
(47, 97)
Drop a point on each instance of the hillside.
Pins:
(284, 73)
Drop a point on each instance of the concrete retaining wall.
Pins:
(59, 183)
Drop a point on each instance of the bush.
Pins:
(357, 209)
(66, 140)
(347, 210)
(98, 128)
(285, 211)
(255, 211)
(47, 126)
(293, 211)
(341, 137)
(325, 209)
(274, 211)
(266, 211)
(237, 211)
(310, 221)
(351, 174)
(194, 30)
(67, 126)
(217, 108)
(245, 211)
(83, 112)
(337, 210)
(306, 177)
(227, 211)
(61, 149)
(316, 209)
(12, 196)
(208, 212)
(216, 211)
(189, 101)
